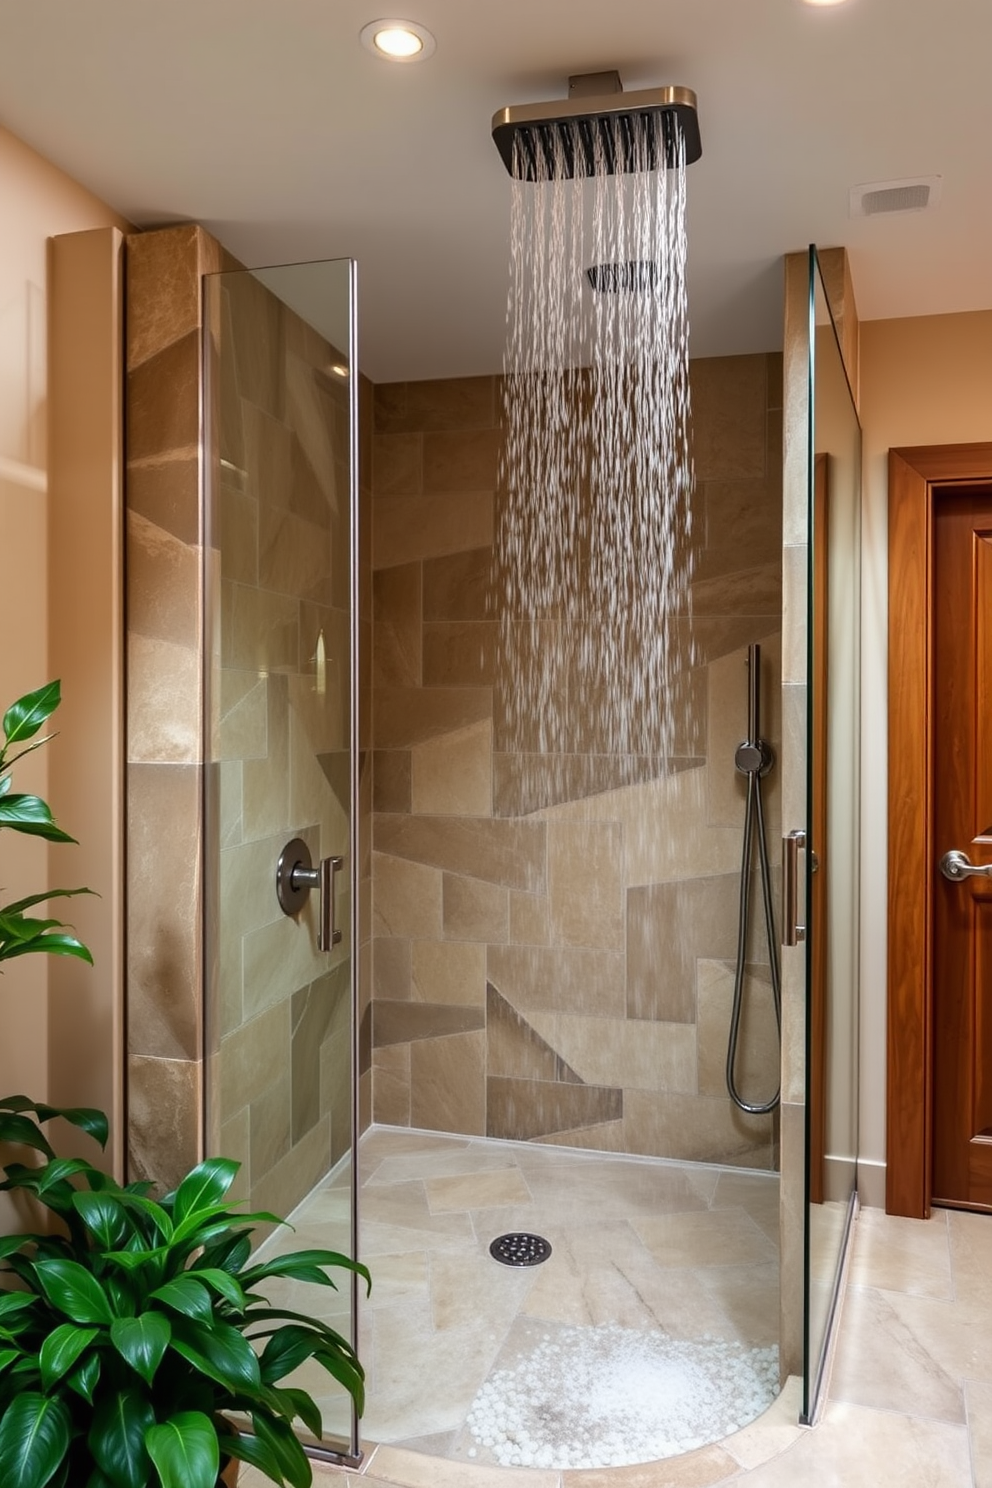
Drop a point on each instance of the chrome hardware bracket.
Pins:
(296, 876)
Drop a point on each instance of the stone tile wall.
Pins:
(553, 947)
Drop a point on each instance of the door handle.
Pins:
(792, 932)
(957, 865)
(296, 876)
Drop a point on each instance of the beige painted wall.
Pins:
(36, 201)
(926, 380)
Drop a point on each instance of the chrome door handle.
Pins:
(957, 865)
(296, 876)
(792, 932)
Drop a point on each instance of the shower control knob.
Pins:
(754, 758)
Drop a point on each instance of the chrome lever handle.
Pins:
(296, 876)
(792, 932)
(957, 865)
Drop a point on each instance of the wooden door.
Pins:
(961, 712)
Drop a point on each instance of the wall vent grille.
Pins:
(877, 197)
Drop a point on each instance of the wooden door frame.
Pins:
(915, 474)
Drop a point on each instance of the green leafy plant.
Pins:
(126, 1338)
(20, 933)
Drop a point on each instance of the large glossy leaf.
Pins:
(202, 1189)
(221, 1281)
(306, 1265)
(142, 1341)
(292, 1403)
(117, 1437)
(15, 1302)
(186, 1295)
(20, 905)
(23, 1131)
(103, 1216)
(32, 815)
(184, 1450)
(86, 1118)
(220, 1351)
(86, 1377)
(34, 1437)
(47, 943)
(286, 1350)
(230, 1253)
(249, 1449)
(24, 718)
(61, 1349)
(278, 1436)
(74, 1291)
(61, 1169)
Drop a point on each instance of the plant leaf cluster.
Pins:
(129, 1332)
(22, 934)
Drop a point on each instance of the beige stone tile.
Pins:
(515, 1049)
(757, 1066)
(163, 712)
(163, 1119)
(903, 1255)
(530, 919)
(526, 1110)
(291, 1179)
(266, 782)
(751, 591)
(259, 630)
(449, 971)
(887, 1362)
(168, 260)
(794, 606)
(857, 1448)
(743, 523)
(164, 944)
(695, 1129)
(461, 460)
(485, 1190)
(163, 584)
(254, 1057)
(457, 586)
(415, 1470)
(294, 555)
(270, 1122)
(452, 775)
(718, 1237)
(448, 1083)
(510, 853)
(440, 403)
(163, 400)
(279, 958)
(393, 968)
(971, 1255)
(696, 1469)
(628, 1052)
(669, 926)
(391, 1085)
(241, 727)
(409, 527)
(410, 715)
(397, 464)
(392, 780)
(473, 910)
(728, 416)
(538, 978)
(606, 1136)
(792, 1180)
(978, 1403)
(397, 633)
(758, 1193)
(774, 1431)
(166, 492)
(748, 1300)
(584, 884)
(405, 1022)
(459, 653)
(406, 897)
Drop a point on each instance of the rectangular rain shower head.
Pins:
(582, 136)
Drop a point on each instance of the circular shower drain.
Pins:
(520, 1249)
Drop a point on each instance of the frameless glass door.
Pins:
(833, 827)
(279, 430)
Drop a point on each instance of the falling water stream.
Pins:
(593, 550)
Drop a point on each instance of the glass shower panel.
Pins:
(833, 828)
(280, 435)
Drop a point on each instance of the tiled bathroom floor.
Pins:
(910, 1399)
(687, 1249)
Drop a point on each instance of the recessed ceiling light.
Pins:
(398, 41)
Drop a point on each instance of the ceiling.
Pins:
(267, 122)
